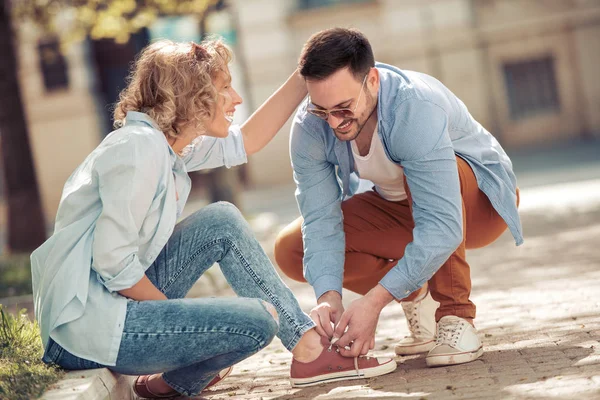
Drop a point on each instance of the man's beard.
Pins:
(360, 122)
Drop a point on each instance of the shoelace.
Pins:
(449, 333)
(332, 342)
(413, 320)
(337, 349)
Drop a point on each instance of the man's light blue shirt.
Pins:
(117, 212)
(422, 126)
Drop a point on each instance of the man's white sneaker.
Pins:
(420, 316)
(457, 343)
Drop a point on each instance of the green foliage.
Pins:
(73, 20)
(23, 375)
(15, 275)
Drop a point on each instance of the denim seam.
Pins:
(221, 330)
(298, 335)
(178, 388)
(55, 352)
(184, 266)
(260, 283)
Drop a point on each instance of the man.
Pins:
(442, 184)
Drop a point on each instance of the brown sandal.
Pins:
(222, 375)
(140, 386)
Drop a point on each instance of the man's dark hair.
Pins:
(333, 49)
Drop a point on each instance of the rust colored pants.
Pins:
(377, 231)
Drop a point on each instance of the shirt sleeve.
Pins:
(319, 198)
(214, 152)
(424, 149)
(128, 178)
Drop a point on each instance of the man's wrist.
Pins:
(330, 295)
(380, 296)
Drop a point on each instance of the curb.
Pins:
(93, 384)
(16, 300)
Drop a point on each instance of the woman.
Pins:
(109, 285)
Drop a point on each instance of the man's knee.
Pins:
(288, 254)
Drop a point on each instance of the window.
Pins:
(307, 4)
(53, 65)
(531, 87)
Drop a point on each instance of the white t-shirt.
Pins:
(387, 176)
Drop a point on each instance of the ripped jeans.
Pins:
(191, 340)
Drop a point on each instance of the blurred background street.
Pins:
(526, 69)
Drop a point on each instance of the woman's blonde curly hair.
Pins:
(173, 83)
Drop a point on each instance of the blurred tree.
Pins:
(26, 225)
(70, 21)
(74, 20)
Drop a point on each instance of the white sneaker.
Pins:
(457, 343)
(420, 316)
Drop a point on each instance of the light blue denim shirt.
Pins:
(117, 211)
(422, 126)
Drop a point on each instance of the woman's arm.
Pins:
(265, 122)
(128, 175)
(143, 290)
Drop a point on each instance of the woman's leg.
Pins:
(172, 335)
(219, 233)
(192, 339)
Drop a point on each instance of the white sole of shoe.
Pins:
(409, 350)
(441, 360)
(382, 369)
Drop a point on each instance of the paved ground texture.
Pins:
(538, 317)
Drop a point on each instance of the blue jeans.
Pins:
(191, 340)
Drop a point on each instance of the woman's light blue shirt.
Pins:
(117, 211)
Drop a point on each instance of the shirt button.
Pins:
(407, 292)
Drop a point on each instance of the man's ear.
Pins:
(373, 79)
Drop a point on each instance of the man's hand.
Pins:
(328, 311)
(361, 320)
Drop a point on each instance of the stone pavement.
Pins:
(538, 316)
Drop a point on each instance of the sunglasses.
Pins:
(341, 113)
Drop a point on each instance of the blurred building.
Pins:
(526, 69)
